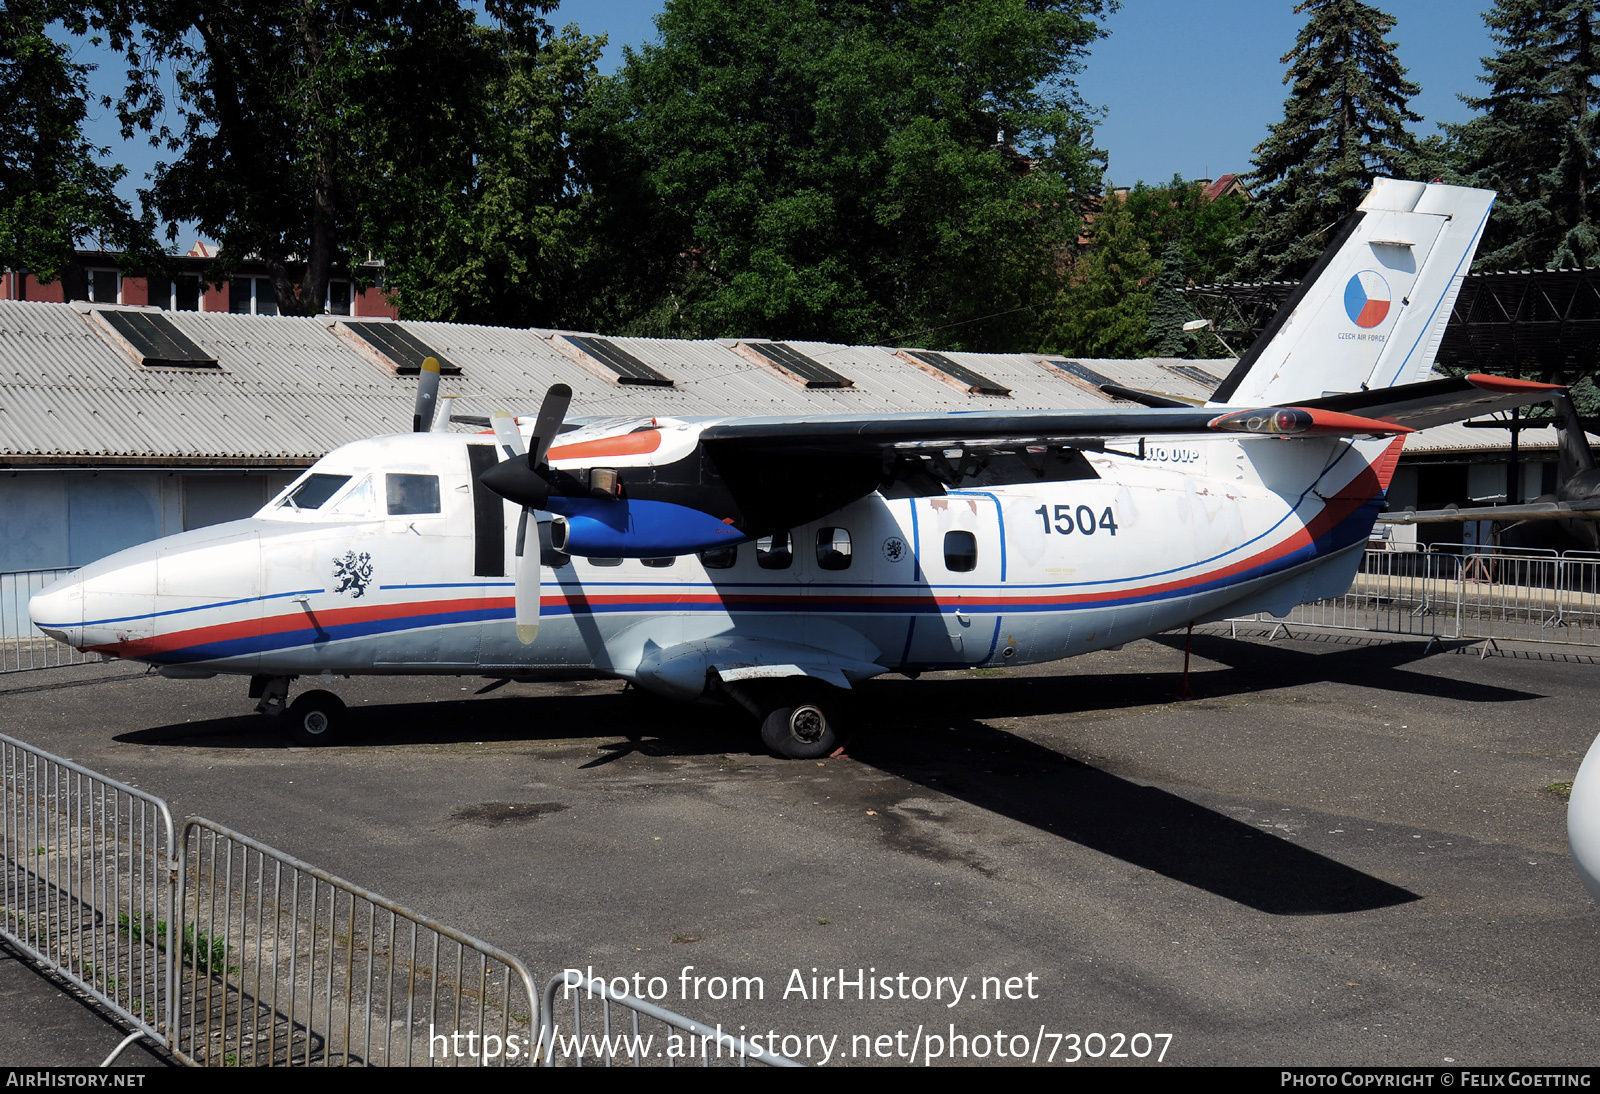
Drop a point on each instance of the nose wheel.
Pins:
(315, 718)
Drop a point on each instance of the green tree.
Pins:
(1169, 311)
(310, 133)
(54, 190)
(1535, 137)
(842, 169)
(1344, 124)
(1105, 308)
(1207, 233)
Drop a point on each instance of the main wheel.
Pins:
(800, 730)
(316, 718)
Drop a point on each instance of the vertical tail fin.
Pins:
(1372, 311)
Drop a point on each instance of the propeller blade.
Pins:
(507, 433)
(427, 396)
(551, 414)
(528, 577)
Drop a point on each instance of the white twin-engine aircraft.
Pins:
(777, 561)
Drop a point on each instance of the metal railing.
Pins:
(640, 1043)
(1469, 591)
(89, 868)
(22, 646)
(291, 965)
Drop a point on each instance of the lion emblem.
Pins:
(353, 572)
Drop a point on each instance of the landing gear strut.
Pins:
(316, 718)
(799, 719)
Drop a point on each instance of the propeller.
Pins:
(427, 396)
(520, 478)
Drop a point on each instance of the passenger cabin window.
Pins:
(314, 491)
(604, 561)
(774, 552)
(833, 548)
(411, 495)
(960, 552)
(719, 558)
(658, 563)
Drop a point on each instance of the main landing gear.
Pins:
(315, 718)
(799, 717)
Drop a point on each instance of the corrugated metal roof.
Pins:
(1456, 438)
(289, 390)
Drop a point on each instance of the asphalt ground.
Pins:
(1343, 852)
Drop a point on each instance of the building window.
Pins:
(252, 296)
(183, 294)
(105, 287)
(339, 297)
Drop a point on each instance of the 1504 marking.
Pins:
(1066, 519)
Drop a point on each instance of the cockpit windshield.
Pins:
(316, 490)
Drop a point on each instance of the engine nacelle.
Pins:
(630, 528)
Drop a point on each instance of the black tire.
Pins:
(801, 729)
(316, 718)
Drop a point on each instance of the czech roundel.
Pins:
(1366, 299)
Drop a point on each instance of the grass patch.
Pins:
(1561, 790)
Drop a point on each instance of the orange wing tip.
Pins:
(1278, 421)
(1509, 384)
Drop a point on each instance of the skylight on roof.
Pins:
(1198, 375)
(1083, 372)
(402, 348)
(154, 341)
(797, 366)
(629, 369)
(975, 382)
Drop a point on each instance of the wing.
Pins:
(869, 433)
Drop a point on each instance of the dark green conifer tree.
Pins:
(1169, 311)
(1344, 124)
(1534, 139)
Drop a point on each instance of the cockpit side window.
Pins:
(411, 495)
(314, 491)
(360, 501)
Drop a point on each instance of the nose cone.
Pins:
(1583, 820)
(57, 609)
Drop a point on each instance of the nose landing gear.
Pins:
(315, 718)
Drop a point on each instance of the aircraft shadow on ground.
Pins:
(910, 737)
(1143, 826)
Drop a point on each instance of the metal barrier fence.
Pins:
(89, 870)
(1466, 591)
(682, 1040)
(22, 647)
(293, 966)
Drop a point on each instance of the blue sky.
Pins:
(1187, 86)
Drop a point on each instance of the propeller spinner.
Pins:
(522, 479)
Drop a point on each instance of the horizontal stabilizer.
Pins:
(1533, 510)
(1435, 402)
